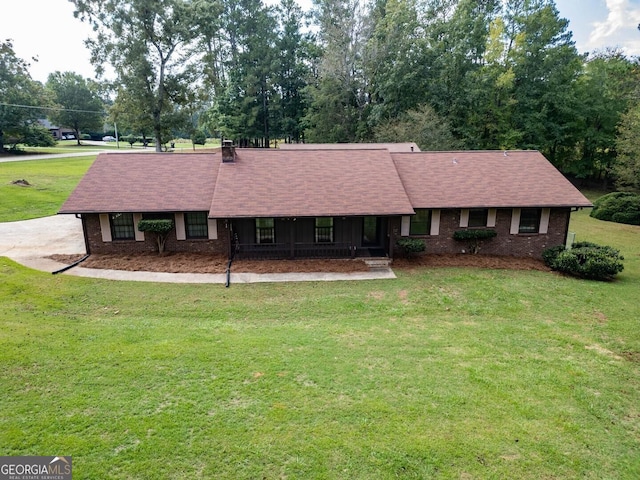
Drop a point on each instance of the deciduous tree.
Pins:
(19, 97)
(147, 42)
(81, 107)
(627, 166)
(339, 96)
(604, 93)
(421, 125)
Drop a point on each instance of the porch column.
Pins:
(392, 236)
(292, 238)
(354, 232)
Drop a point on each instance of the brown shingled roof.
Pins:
(466, 179)
(145, 182)
(313, 183)
(297, 183)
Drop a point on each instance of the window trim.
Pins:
(319, 236)
(116, 235)
(203, 225)
(266, 235)
(534, 217)
(425, 223)
(484, 214)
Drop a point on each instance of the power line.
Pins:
(58, 109)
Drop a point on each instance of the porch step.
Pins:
(375, 263)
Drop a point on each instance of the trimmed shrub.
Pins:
(619, 207)
(475, 237)
(160, 227)
(585, 260)
(550, 254)
(476, 234)
(411, 246)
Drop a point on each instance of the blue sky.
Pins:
(48, 30)
(603, 23)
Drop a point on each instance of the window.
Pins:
(196, 224)
(420, 223)
(265, 231)
(324, 230)
(529, 220)
(122, 227)
(478, 217)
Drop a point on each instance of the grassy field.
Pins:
(51, 182)
(442, 373)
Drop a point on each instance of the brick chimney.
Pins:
(228, 151)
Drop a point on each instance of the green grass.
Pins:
(51, 183)
(442, 373)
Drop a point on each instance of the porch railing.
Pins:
(296, 250)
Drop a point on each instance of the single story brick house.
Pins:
(324, 202)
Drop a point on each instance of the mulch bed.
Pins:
(200, 263)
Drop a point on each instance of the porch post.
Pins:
(354, 228)
(392, 235)
(292, 238)
(229, 238)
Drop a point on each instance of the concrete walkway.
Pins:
(29, 242)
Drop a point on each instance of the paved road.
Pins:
(30, 242)
(49, 156)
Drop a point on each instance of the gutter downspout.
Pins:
(86, 246)
(68, 267)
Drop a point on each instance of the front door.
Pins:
(371, 232)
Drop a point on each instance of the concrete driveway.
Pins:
(29, 242)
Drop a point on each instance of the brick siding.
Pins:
(96, 245)
(504, 243)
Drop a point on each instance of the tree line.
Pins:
(447, 74)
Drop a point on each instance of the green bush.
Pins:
(199, 137)
(475, 234)
(585, 260)
(619, 207)
(550, 254)
(130, 139)
(411, 246)
(161, 228)
(475, 237)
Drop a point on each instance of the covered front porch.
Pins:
(316, 237)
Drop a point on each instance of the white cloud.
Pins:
(620, 25)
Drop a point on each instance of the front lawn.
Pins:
(50, 183)
(446, 373)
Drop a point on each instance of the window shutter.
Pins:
(405, 226)
(435, 222)
(105, 227)
(212, 226)
(139, 235)
(464, 218)
(515, 221)
(491, 217)
(544, 220)
(181, 232)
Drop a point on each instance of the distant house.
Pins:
(59, 133)
(324, 202)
